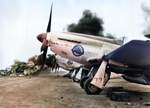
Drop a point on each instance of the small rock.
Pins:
(141, 98)
(21, 75)
(146, 103)
(128, 103)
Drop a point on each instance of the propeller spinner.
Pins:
(42, 38)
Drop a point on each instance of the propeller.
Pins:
(50, 17)
(42, 38)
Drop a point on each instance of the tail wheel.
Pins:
(82, 81)
(90, 88)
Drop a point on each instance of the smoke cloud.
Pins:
(146, 9)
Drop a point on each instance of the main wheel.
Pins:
(90, 88)
(76, 79)
(82, 81)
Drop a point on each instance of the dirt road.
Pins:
(59, 92)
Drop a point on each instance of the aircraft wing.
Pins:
(132, 60)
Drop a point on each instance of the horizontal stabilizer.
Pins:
(135, 79)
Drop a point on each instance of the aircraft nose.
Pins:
(42, 36)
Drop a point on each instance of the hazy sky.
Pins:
(22, 20)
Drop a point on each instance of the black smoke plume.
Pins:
(146, 9)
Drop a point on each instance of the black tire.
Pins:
(84, 73)
(76, 79)
(90, 88)
(114, 89)
(82, 81)
(120, 96)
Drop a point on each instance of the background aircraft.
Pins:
(67, 64)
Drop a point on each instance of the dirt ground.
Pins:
(55, 91)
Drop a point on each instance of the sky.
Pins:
(22, 20)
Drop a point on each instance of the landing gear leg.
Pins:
(69, 74)
(78, 75)
(92, 89)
